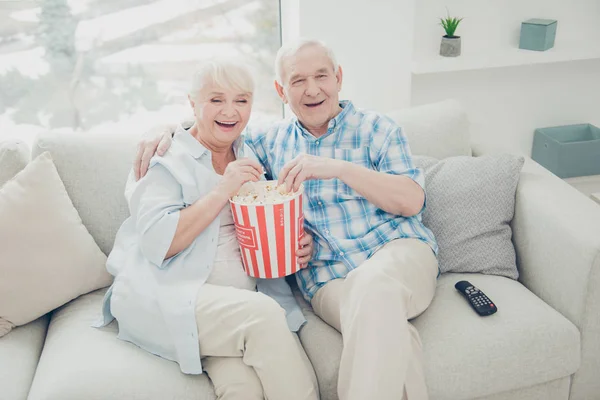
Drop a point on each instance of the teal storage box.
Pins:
(538, 34)
(568, 151)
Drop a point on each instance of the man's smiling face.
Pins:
(311, 87)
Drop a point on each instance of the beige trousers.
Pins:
(249, 352)
(371, 307)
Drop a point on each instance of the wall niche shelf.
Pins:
(507, 58)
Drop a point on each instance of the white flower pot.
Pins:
(450, 46)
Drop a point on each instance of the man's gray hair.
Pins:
(227, 73)
(293, 48)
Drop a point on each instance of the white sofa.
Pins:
(544, 343)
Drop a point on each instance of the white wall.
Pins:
(490, 26)
(505, 105)
(377, 41)
(373, 43)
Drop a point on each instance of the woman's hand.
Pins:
(237, 173)
(305, 249)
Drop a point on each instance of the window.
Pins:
(123, 65)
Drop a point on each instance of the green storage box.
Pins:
(568, 151)
(538, 34)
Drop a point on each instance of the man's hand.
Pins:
(155, 141)
(306, 167)
(305, 249)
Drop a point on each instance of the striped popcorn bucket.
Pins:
(268, 235)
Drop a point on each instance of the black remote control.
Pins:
(478, 300)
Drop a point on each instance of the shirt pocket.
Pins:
(359, 156)
(202, 183)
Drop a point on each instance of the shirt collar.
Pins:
(238, 146)
(197, 149)
(347, 108)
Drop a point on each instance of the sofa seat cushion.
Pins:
(525, 343)
(323, 346)
(81, 362)
(19, 355)
(467, 356)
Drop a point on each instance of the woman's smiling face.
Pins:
(221, 113)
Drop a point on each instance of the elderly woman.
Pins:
(180, 290)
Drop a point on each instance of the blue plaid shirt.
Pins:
(346, 228)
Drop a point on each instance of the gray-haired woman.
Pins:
(180, 291)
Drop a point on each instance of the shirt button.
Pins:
(327, 231)
(320, 203)
(341, 253)
(318, 142)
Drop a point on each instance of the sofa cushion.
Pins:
(14, 156)
(81, 362)
(94, 169)
(525, 343)
(47, 257)
(470, 205)
(323, 346)
(557, 389)
(19, 355)
(437, 130)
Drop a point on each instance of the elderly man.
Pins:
(374, 265)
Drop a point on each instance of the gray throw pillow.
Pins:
(470, 204)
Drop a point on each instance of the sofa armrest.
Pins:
(556, 232)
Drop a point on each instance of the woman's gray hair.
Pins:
(294, 47)
(227, 73)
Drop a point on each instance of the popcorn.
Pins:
(263, 193)
(269, 222)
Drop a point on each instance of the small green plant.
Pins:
(450, 24)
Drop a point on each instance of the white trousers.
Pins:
(371, 307)
(249, 352)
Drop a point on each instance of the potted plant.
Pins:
(450, 46)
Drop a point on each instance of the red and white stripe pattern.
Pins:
(268, 237)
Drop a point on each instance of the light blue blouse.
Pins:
(154, 299)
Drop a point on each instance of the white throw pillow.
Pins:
(47, 256)
(437, 130)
